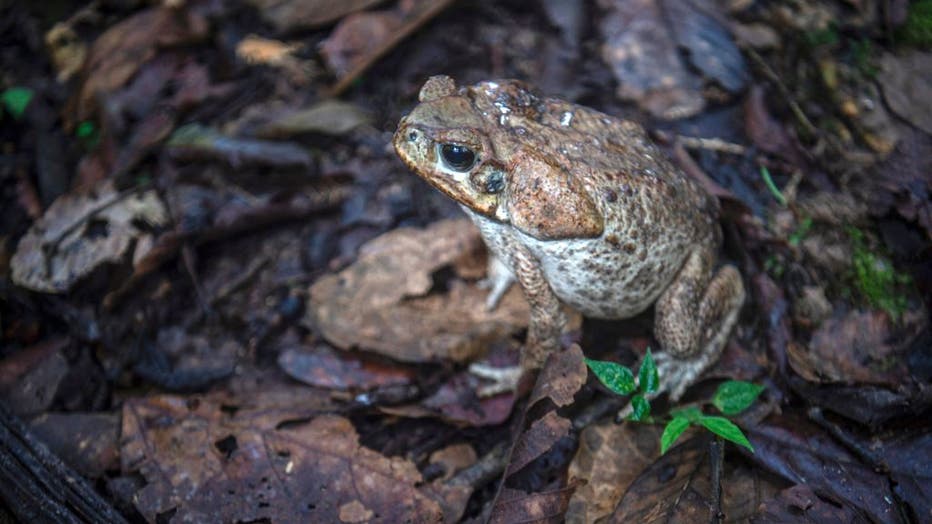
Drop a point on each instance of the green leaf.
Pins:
(15, 99)
(647, 375)
(674, 429)
(735, 396)
(691, 413)
(640, 408)
(726, 429)
(613, 375)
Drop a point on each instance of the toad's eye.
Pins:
(457, 157)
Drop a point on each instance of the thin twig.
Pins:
(717, 458)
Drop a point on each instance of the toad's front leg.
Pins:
(693, 319)
(545, 327)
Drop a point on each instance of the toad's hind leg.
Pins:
(693, 319)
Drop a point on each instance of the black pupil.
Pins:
(460, 158)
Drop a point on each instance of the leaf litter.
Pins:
(234, 235)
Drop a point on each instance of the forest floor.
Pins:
(223, 298)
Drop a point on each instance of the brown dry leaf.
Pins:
(609, 458)
(330, 117)
(906, 81)
(564, 373)
(118, 53)
(263, 399)
(288, 15)
(677, 488)
(383, 302)
(362, 38)
(81, 231)
(517, 506)
(857, 348)
(537, 440)
(358, 37)
(641, 52)
(325, 369)
(204, 467)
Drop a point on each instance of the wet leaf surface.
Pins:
(801, 454)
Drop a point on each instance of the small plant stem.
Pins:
(717, 459)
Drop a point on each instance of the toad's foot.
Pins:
(498, 281)
(503, 379)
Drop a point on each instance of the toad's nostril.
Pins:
(412, 136)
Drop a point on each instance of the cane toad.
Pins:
(578, 207)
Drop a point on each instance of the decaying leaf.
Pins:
(801, 504)
(803, 454)
(855, 348)
(82, 231)
(384, 301)
(609, 458)
(518, 506)
(323, 368)
(563, 375)
(331, 117)
(203, 466)
(362, 38)
(677, 488)
(118, 53)
(358, 37)
(642, 42)
(537, 440)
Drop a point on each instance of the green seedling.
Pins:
(730, 398)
